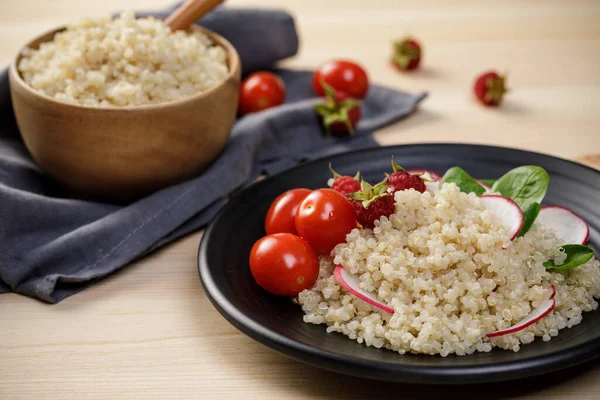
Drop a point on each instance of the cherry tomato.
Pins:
(259, 91)
(343, 76)
(324, 219)
(282, 212)
(284, 264)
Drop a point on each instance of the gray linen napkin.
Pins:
(52, 246)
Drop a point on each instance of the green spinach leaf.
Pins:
(525, 185)
(576, 256)
(529, 215)
(463, 180)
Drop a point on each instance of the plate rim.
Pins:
(490, 372)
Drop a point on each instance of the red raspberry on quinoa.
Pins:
(345, 184)
(371, 203)
(402, 180)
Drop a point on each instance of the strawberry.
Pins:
(402, 180)
(489, 88)
(339, 113)
(407, 54)
(345, 184)
(371, 203)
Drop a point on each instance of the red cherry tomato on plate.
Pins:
(284, 264)
(282, 212)
(324, 219)
(259, 91)
(343, 76)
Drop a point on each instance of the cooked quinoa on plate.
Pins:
(448, 268)
(123, 62)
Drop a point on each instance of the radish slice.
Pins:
(486, 187)
(552, 291)
(533, 317)
(352, 284)
(433, 187)
(427, 175)
(507, 209)
(570, 227)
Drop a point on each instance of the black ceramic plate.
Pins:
(277, 322)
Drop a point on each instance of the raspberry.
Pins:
(490, 88)
(371, 203)
(401, 180)
(339, 113)
(383, 206)
(346, 185)
(407, 54)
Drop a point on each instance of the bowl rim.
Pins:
(232, 57)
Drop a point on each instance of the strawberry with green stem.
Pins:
(339, 113)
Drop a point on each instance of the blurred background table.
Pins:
(150, 332)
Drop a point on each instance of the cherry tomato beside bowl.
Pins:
(259, 91)
(324, 219)
(282, 212)
(284, 264)
(344, 76)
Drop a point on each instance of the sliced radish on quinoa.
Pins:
(570, 227)
(483, 185)
(352, 284)
(507, 210)
(543, 309)
(425, 174)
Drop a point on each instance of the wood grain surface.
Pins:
(150, 332)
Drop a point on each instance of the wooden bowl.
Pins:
(122, 153)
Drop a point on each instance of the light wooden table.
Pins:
(150, 332)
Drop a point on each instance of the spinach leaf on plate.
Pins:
(576, 256)
(529, 215)
(525, 185)
(464, 181)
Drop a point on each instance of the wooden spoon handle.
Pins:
(189, 12)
